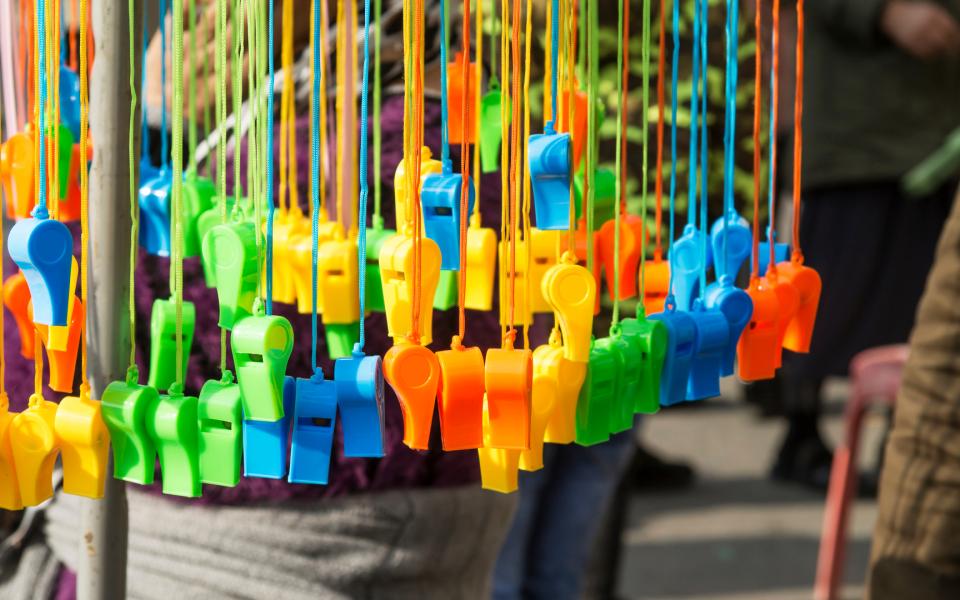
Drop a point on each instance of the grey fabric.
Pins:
(31, 574)
(404, 544)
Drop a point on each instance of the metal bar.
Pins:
(102, 567)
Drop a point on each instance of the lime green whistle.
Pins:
(261, 347)
(163, 341)
(599, 394)
(220, 416)
(231, 249)
(198, 196)
(124, 407)
(172, 423)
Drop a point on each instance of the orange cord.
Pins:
(413, 175)
(74, 11)
(514, 200)
(571, 104)
(661, 102)
(757, 106)
(798, 136)
(464, 169)
(774, 118)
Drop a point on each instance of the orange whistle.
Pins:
(579, 131)
(35, 450)
(414, 374)
(758, 345)
(70, 208)
(9, 488)
(456, 84)
(84, 442)
(632, 233)
(656, 280)
(499, 468)
(17, 170)
(807, 281)
(63, 363)
(543, 400)
(461, 397)
(16, 297)
(509, 379)
(788, 303)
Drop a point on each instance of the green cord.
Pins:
(221, 41)
(377, 130)
(236, 59)
(134, 195)
(194, 56)
(615, 321)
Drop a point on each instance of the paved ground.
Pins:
(735, 535)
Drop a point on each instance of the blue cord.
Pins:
(673, 137)
(694, 111)
(315, 181)
(704, 166)
(554, 53)
(444, 134)
(164, 148)
(364, 184)
(269, 156)
(41, 211)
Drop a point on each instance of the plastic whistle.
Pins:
(561, 428)
(681, 343)
(402, 203)
(481, 267)
(155, 213)
(266, 443)
(337, 283)
(448, 290)
(163, 341)
(757, 349)
(16, 297)
(35, 450)
(63, 363)
(210, 218)
(788, 303)
(713, 333)
(440, 200)
(499, 468)
(70, 99)
(462, 388)
(9, 486)
(730, 240)
(84, 444)
(70, 208)
(491, 128)
(43, 249)
(377, 236)
(220, 418)
(571, 290)
(458, 84)
(543, 401)
(599, 394)
(518, 278)
(359, 380)
(508, 379)
(605, 199)
(54, 337)
(199, 194)
(232, 251)
(261, 346)
(781, 252)
(399, 288)
(413, 372)
(632, 239)
(17, 172)
(543, 256)
(737, 307)
(124, 407)
(807, 281)
(172, 423)
(64, 140)
(579, 130)
(284, 290)
(629, 357)
(686, 263)
(315, 416)
(650, 337)
(550, 162)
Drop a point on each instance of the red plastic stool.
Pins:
(875, 377)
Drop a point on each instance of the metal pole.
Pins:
(102, 568)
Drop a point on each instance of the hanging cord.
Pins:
(504, 163)
(730, 131)
(592, 150)
(798, 137)
(286, 65)
(340, 193)
(53, 107)
(757, 118)
(464, 170)
(694, 119)
(236, 29)
(774, 117)
(571, 59)
(553, 16)
(321, 100)
(144, 122)
(377, 126)
(514, 200)
(661, 102)
(84, 195)
(444, 109)
(475, 215)
(364, 184)
(704, 164)
(268, 157)
(414, 175)
(40, 212)
(674, 93)
(192, 90)
(524, 163)
(645, 121)
(164, 142)
(134, 195)
(315, 188)
(221, 69)
(623, 30)
(177, 188)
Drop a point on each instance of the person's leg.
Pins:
(916, 549)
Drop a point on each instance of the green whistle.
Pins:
(124, 407)
(261, 347)
(65, 151)
(341, 337)
(491, 128)
(232, 250)
(376, 236)
(446, 295)
(599, 394)
(606, 199)
(198, 196)
(629, 355)
(163, 341)
(221, 420)
(172, 423)
(207, 220)
(651, 336)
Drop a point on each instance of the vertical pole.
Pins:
(102, 567)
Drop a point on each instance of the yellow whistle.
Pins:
(481, 268)
(35, 450)
(543, 401)
(396, 273)
(301, 250)
(572, 291)
(284, 290)
(543, 255)
(521, 317)
(9, 487)
(498, 467)
(84, 443)
(569, 375)
(58, 337)
(404, 211)
(337, 281)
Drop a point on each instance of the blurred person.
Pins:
(882, 90)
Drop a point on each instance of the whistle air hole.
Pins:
(541, 260)
(254, 358)
(208, 425)
(319, 422)
(442, 211)
(335, 273)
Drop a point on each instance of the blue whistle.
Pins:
(70, 100)
(731, 242)
(155, 213)
(713, 332)
(550, 179)
(686, 263)
(314, 418)
(265, 443)
(42, 248)
(678, 355)
(147, 170)
(440, 198)
(737, 307)
(781, 251)
(359, 381)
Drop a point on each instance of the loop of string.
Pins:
(694, 119)
(522, 156)
(505, 109)
(192, 83)
(513, 196)
(571, 61)
(164, 142)
(321, 100)
(221, 100)
(475, 215)
(774, 117)
(364, 184)
(553, 16)
(444, 109)
(661, 101)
